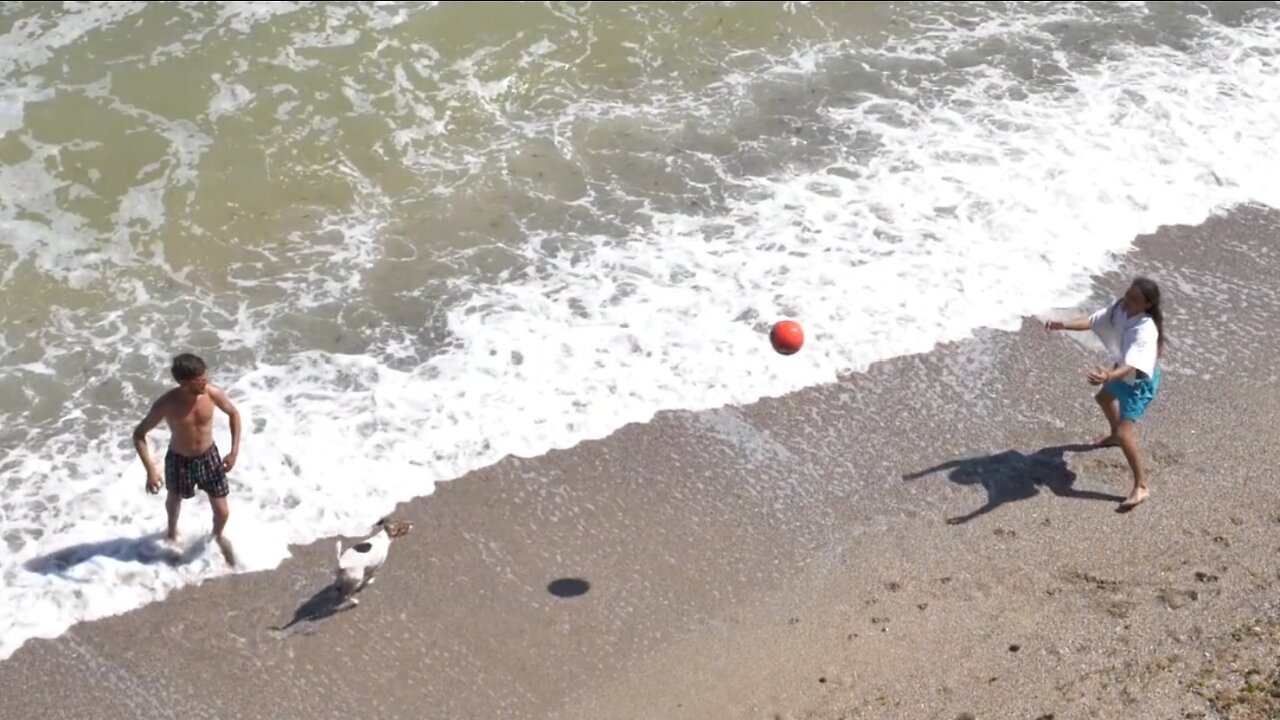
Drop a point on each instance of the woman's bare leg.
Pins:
(1127, 439)
(1111, 409)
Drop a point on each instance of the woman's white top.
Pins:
(1131, 341)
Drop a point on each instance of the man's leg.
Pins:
(172, 504)
(174, 485)
(213, 481)
(220, 514)
(1127, 438)
(1111, 409)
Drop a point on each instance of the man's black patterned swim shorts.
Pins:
(183, 475)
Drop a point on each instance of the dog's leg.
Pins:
(344, 587)
(345, 601)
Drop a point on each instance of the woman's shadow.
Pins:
(1011, 475)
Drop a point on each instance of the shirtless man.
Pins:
(192, 460)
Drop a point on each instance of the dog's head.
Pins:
(394, 528)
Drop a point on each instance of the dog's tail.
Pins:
(339, 549)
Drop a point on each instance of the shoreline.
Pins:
(704, 535)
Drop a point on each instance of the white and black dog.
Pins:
(358, 563)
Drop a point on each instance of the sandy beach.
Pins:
(796, 558)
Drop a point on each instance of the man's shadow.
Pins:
(148, 550)
(1011, 475)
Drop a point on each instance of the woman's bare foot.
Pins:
(1134, 500)
(1107, 441)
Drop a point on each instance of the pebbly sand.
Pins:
(793, 558)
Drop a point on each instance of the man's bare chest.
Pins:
(191, 413)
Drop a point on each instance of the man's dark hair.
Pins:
(187, 367)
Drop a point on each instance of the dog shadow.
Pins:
(150, 549)
(1011, 475)
(326, 603)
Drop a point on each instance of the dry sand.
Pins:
(792, 559)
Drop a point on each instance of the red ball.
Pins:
(787, 337)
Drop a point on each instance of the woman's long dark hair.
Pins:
(1151, 291)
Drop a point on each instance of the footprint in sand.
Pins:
(1121, 609)
(1177, 599)
(1163, 454)
(1094, 581)
(1102, 465)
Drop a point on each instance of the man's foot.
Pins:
(227, 553)
(1134, 500)
(1107, 441)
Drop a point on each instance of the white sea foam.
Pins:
(955, 199)
(231, 97)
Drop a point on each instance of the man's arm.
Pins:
(149, 423)
(224, 404)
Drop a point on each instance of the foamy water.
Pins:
(507, 239)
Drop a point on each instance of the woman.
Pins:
(1132, 330)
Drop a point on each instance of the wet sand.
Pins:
(793, 558)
